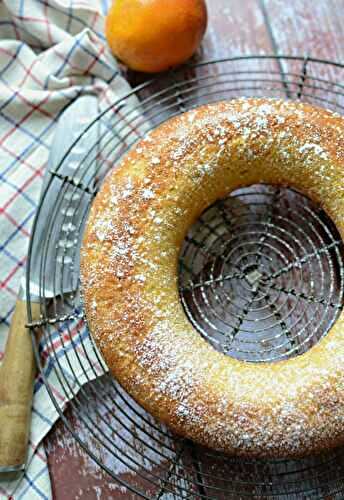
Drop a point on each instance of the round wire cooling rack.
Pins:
(261, 278)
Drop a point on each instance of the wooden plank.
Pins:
(313, 29)
(302, 27)
(236, 27)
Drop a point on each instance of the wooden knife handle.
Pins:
(17, 374)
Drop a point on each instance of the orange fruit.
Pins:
(154, 35)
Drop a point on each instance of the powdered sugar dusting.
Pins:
(271, 410)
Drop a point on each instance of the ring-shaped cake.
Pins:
(129, 271)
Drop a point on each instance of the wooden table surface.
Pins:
(297, 27)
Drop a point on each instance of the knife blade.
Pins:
(17, 371)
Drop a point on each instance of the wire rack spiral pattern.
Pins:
(125, 441)
(262, 274)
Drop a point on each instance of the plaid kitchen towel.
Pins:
(51, 51)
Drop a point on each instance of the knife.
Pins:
(17, 371)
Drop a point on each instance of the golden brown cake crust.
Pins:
(130, 284)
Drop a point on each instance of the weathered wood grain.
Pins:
(304, 27)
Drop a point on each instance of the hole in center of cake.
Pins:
(261, 274)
